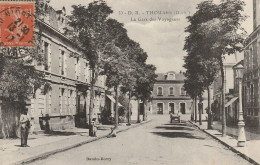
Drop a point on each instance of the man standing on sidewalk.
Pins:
(25, 126)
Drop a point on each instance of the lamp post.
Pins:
(241, 130)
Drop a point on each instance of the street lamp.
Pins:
(241, 125)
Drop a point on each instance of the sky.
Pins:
(158, 25)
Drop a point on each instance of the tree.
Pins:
(205, 69)
(209, 70)
(133, 52)
(144, 85)
(115, 69)
(217, 30)
(194, 87)
(225, 36)
(91, 32)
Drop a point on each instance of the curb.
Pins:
(47, 154)
(228, 146)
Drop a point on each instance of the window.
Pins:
(46, 55)
(159, 91)
(62, 63)
(86, 71)
(183, 92)
(171, 76)
(77, 68)
(171, 91)
(252, 94)
(62, 90)
(183, 108)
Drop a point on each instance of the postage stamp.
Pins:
(16, 23)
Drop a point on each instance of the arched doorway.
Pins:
(171, 107)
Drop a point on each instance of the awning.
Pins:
(113, 100)
(231, 101)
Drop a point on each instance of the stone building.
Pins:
(66, 103)
(169, 94)
(251, 74)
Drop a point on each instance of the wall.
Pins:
(9, 118)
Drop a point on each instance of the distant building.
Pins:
(169, 94)
(231, 101)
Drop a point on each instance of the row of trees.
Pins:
(111, 52)
(214, 32)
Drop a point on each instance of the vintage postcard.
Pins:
(143, 82)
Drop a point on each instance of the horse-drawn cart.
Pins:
(174, 117)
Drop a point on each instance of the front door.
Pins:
(171, 108)
(159, 108)
(183, 108)
(80, 118)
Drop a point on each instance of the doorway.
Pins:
(183, 108)
(159, 108)
(171, 108)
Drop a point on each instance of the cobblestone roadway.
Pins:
(157, 142)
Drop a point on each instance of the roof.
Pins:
(178, 76)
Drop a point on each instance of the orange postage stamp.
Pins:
(16, 23)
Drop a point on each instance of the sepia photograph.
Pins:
(129, 82)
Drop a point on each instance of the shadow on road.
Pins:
(176, 124)
(174, 127)
(177, 135)
(60, 133)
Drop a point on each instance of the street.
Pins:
(157, 142)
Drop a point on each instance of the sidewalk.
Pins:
(42, 145)
(250, 151)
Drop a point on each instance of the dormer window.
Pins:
(171, 76)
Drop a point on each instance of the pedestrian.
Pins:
(171, 116)
(25, 126)
(112, 133)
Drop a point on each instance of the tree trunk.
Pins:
(116, 108)
(129, 109)
(138, 111)
(195, 104)
(192, 111)
(223, 98)
(145, 112)
(200, 111)
(91, 103)
(209, 111)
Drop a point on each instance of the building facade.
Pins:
(251, 81)
(231, 99)
(65, 103)
(169, 94)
